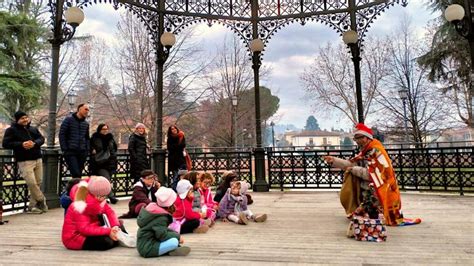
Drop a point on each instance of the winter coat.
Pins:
(82, 220)
(184, 209)
(137, 148)
(141, 194)
(228, 203)
(175, 146)
(14, 137)
(153, 222)
(206, 200)
(74, 134)
(99, 143)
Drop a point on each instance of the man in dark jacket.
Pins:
(26, 141)
(74, 140)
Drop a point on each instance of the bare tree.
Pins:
(426, 111)
(232, 75)
(135, 74)
(329, 81)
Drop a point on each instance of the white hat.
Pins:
(183, 188)
(165, 197)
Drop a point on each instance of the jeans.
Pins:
(75, 162)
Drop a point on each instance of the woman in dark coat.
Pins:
(137, 148)
(103, 157)
(175, 145)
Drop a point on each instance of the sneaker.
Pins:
(42, 205)
(34, 210)
(126, 240)
(243, 219)
(180, 251)
(201, 229)
(260, 218)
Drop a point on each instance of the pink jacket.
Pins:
(207, 200)
(82, 221)
(184, 209)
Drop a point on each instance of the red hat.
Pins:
(361, 129)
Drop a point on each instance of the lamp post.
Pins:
(63, 30)
(163, 46)
(273, 134)
(403, 93)
(464, 24)
(256, 46)
(71, 100)
(351, 38)
(234, 120)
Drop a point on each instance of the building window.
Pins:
(325, 141)
(311, 142)
(467, 136)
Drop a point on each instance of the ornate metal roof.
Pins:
(249, 18)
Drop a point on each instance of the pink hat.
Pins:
(361, 129)
(99, 186)
(165, 197)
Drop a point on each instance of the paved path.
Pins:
(303, 228)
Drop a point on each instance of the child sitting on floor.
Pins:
(154, 238)
(189, 219)
(233, 205)
(143, 193)
(208, 205)
(90, 223)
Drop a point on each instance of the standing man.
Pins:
(26, 141)
(373, 166)
(74, 140)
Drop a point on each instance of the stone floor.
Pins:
(303, 228)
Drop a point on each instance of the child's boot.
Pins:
(259, 218)
(243, 219)
(180, 251)
(201, 229)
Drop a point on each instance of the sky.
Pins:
(288, 53)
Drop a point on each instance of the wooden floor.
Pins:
(303, 228)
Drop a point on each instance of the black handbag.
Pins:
(102, 157)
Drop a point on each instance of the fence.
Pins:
(440, 169)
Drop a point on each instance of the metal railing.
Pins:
(440, 169)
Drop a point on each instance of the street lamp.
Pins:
(163, 46)
(71, 100)
(463, 22)
(256, 46)
(351, 38)
(63, 31)
(234, 120)
(273, 133)
(403, 93)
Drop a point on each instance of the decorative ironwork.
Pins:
(237, 14)
(419, 169)
(441, 169)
